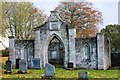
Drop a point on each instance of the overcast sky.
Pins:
(109, 9)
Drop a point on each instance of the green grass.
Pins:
(60, 73)
(63, 73)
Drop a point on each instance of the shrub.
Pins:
(5, 53)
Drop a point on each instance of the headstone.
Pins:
(70, 65)
(49, 70)
(35, 63)
(22, 66)
(82, 76)
(8, 66)
(17, 63)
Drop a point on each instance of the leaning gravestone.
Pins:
(8, 66)
(49, 70)
(82, 76)
(35, 63)
(22, 66)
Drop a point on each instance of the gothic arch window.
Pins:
(55, 50)
(87, 51)
(26, 53)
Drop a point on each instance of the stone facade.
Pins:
(56, 41)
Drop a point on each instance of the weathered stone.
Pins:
(22, 66)
(89, 53)
(35, 63)
(82, 76)
(12, 50)
(49, 70)
(8, 66)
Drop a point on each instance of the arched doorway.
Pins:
(56, 52)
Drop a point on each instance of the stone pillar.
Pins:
(100, 50)
(22, 53)
(37, 45)
(72, 35)
(103, 52)
(109, 52)
(12, 50)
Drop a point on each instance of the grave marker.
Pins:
(82, 76)
(49, 70)
(22, 66)
(35, 63)
(8, 66)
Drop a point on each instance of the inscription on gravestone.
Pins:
(35, 63)
(8, 66)
(22, 66)
(49, 70)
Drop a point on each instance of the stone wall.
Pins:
(24, 49)
(81, 60)
(55, 27)
(43, 37)
(107, 54)
(12, 50)
(103, 51)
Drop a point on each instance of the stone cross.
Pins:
(49, 70)
(22, 66)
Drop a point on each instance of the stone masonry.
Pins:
(89, 53)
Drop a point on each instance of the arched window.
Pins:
(87, 51)
(26, 53)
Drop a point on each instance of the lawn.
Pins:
(62, 73)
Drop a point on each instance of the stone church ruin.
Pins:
(56, 43)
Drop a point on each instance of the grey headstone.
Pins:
(8, 66)
(22, 65)
(49, 70)
(82, 76)
(35, 63)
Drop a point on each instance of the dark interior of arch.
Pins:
(55, 51)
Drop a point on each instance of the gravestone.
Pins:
(70, 65)
(17, 63)
(49, 70)
(82, 76)
(22, 66)
(35, 63)
(8, 66)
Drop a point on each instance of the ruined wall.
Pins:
(12, 50)
(103, 51)
(24, 49)
(45, 36)
(81, 60)
(54, 26)
(107, 54)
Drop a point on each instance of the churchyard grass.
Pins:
(62, 73)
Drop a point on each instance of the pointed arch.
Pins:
(87, 51)
(56, 49)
